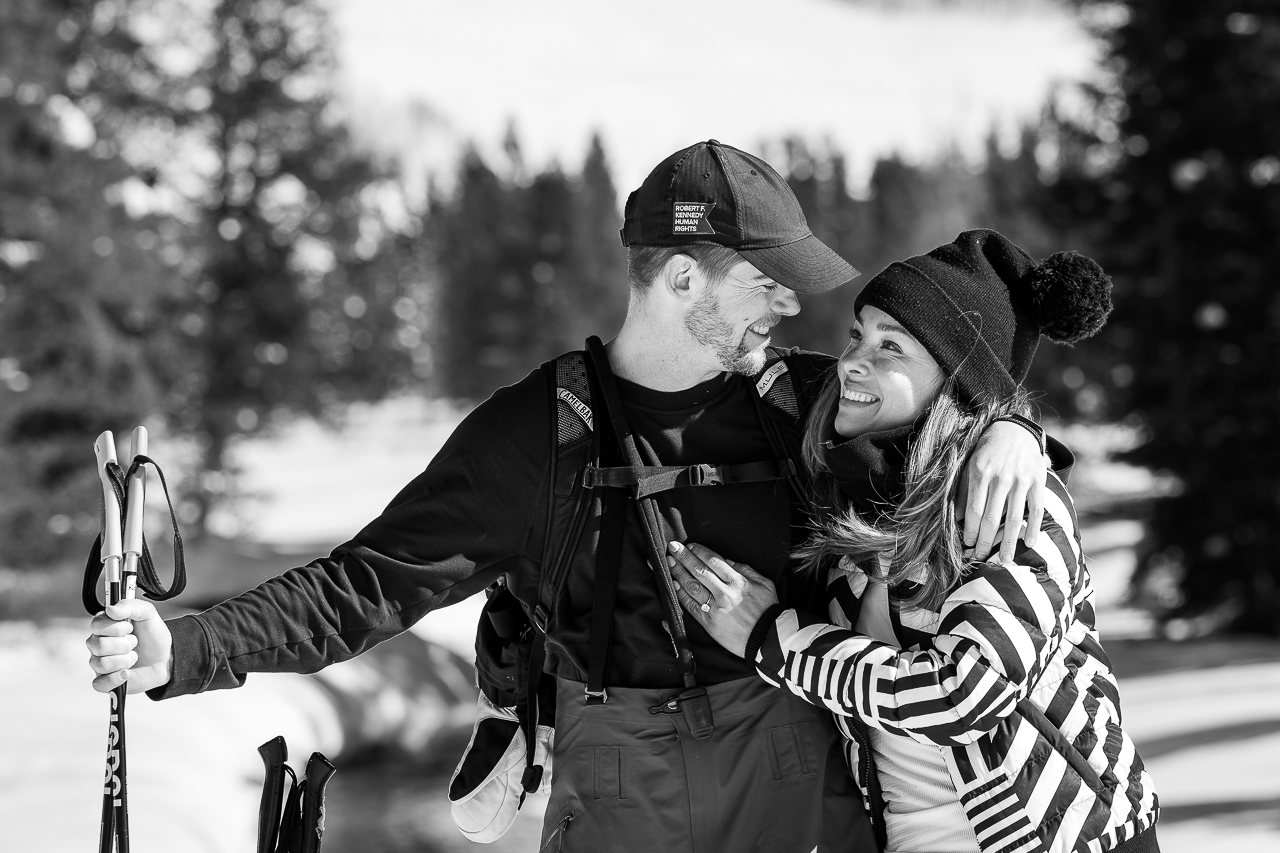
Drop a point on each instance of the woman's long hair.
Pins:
(921, 535)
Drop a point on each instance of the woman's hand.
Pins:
(726, 598)
(1004, 480)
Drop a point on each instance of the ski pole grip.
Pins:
(274, 754)
(137, 495)
(105, 450)
(319, 771)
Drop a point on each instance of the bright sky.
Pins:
(655, 76)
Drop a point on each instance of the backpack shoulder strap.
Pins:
(573, 434)
(774, 385)
(573, 448)
(779, 412)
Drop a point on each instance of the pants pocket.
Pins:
(609, 773)
(616, 776)
(789, 755)
(637, 794)
(554, 834)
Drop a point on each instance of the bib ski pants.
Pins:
(629, 776)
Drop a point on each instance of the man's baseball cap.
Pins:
(714, 193)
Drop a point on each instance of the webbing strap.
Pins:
(613, 521)
(532, 657)
(655, 536)
(650, 480)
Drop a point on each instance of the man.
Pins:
(718, 249)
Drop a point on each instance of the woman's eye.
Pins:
(854, 334)
(892, 347)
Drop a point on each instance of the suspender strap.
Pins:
(694, 701)
(655, 479)
(605, 593)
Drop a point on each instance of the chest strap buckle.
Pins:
(705, 475)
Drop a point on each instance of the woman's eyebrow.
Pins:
(889, 327)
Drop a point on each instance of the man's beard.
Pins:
(705, 323)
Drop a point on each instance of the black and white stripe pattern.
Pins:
(1009, 675)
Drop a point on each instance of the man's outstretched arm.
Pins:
(453, 530)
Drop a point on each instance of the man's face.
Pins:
(733, 318)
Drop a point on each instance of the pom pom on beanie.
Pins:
(1069, 297)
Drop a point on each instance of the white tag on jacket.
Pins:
(770, 376)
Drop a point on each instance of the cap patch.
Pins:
(691, 217)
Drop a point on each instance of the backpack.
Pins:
(510, 641)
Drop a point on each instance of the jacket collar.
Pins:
(870, 468)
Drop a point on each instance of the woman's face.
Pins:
(887, 379)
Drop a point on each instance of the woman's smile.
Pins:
(852, 395)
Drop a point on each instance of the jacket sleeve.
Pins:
(995, 635)
(452, 531)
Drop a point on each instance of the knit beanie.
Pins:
(980, 304)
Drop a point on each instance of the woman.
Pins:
(979, 708)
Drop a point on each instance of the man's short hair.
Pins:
(644, 263)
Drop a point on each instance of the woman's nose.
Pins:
(852, 361)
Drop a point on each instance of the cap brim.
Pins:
(806, 266)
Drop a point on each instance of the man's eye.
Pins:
(892, 347)
(854, 334)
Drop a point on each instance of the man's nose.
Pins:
(785, 302)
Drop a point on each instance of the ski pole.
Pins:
(319, 771)
(120, 554)
(114, 830)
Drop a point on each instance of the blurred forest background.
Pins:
(191, 238)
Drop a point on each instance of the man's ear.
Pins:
(681, 278)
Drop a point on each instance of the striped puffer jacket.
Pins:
(1009, 676)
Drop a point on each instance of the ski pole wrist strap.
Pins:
(148, 579)
(695, 703)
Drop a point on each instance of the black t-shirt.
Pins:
(715, 423)
(478, 511)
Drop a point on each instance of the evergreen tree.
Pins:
(78, 284)
(291, 304)
(1179, 179)
(595, 293)
(909, 209)
(1019, 203)
(481, 254)
(820, 182)
(528, 267)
